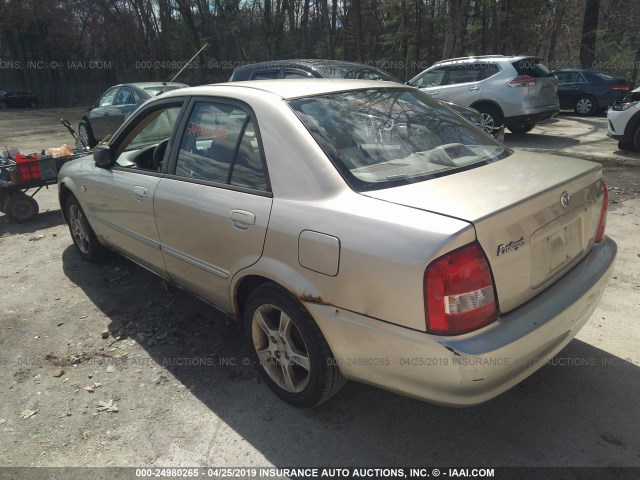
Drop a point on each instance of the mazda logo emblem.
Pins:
(565, 199)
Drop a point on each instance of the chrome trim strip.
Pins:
(218, 272)
(136, 236)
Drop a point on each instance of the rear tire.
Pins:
(20, 208)
(585, 105)
(520, 129)
(83, 236)
(292, 355)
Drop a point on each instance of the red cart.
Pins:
(22, 174)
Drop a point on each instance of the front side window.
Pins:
(220, 145)
(430, 78)
(145, 145)
(379, 138)
(107, 99)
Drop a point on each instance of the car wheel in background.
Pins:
(33, 104)
(291, 353)
(20, 208)
(627, 146)
(518, 129)
(3, 105)
(491, 118)
(585, 105)
(636, 140)
(85, 134)
(82, 234)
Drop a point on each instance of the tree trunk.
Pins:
(555, 26)
(589, 30)
(357, 15)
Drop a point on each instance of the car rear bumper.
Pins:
(532, 117)
(472, 368)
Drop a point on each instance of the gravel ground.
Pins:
(103, 365)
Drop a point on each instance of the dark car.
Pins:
(321, 68)
(309, 68)
(115, 105)
(590, 91)
(17, 98)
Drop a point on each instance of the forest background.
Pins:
(69, 51)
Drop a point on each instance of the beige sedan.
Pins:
(358, 230)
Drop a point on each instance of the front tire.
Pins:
(292, 355)
(585, 106)
(636, 139)
(85, 134)
(84, 238)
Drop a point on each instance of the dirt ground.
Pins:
(102, 365)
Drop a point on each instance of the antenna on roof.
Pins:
(190, 60)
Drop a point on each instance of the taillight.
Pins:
(621, 86)
(458, 292)
(522, 81)
(602, 222)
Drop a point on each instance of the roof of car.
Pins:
(310, 62)
(484, 58)
(290, 88)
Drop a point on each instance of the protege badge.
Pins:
(510, 247)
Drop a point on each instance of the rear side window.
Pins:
(532, 67)
(265, 74)
(220, 145)
(464, 74)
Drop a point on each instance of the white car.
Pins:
(624, 121)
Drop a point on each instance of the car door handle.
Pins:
(242, 219)
(433, 94)
(473, 89)
(140, 192)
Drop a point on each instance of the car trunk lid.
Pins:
(544, 89)
(535, 216)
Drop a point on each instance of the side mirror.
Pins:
(103, 156)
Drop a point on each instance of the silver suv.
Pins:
(515, 91)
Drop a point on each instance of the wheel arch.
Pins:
(489, 103)
(248, 280)
(632, 125)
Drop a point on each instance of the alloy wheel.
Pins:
(280, 348)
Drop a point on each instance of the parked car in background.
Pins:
(115, 105)
(17, 98)
(357, 229)
(517, 91)
(624, 121)
(321, 68)
(309, 68)
(590, 91)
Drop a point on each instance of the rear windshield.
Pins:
(532, 67)
(379, 138)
